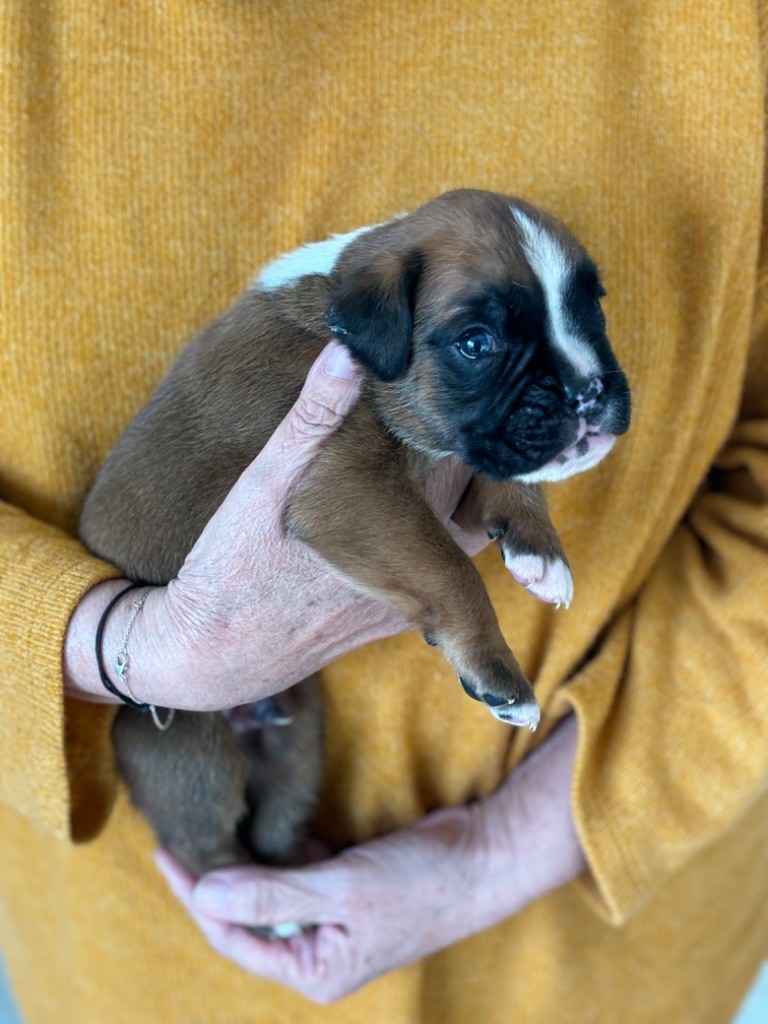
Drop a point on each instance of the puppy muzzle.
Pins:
(602, 408)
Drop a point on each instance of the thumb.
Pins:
(329, 393)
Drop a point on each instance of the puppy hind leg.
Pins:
(188, 782)
(285, 771)
(515, 515)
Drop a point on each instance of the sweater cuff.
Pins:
(57, 765)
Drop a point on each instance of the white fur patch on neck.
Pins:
(550, 264)
(313, 258)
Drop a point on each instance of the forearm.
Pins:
(528, 829)
(513, 847)
(510, 849)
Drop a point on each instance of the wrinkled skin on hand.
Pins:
(253, 610)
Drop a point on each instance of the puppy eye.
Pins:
(476, 345)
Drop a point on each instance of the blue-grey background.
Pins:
(754, 1011)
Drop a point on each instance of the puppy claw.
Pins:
(506, 709)
(549, 579)
(523, 715)
(259, 714)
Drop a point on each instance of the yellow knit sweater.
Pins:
(152, 155)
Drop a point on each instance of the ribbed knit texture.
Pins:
(152, 156)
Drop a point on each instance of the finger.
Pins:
(308, 962)
(329, 393)
(444, 489)
(182, 884)
(260, 896)
(229, 940)
(180, 881)
(315, 963)
(445, 486)
(471, 542)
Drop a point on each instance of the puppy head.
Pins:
(478, 319)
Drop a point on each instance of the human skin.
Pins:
(391, 901)
(226, 632)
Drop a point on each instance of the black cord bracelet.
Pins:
(108, 684)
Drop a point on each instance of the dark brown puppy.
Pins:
(477, 323)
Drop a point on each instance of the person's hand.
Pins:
(257, 609)
(375, 906)
(254, 610)
(394, 900)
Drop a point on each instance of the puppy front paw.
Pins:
(547, 577)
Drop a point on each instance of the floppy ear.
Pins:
(371, 312)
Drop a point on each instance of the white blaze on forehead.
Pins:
(549, 262)
(313, 258)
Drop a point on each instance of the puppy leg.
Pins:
(284, 752)
(189, 783)
(515, 515)
(361, 512)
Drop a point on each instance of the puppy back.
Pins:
(221, 400)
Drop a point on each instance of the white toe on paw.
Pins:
(527, 569)
(548, 579)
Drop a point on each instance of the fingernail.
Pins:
(212, 895)
(338, 362)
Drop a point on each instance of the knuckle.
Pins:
(259, 900)
(312, 416)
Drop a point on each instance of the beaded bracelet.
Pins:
(121, 663)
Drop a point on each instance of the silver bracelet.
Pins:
(121, 666)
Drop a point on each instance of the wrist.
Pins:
(149, 642)
(179, 657)
(79, 664)
(148, 645)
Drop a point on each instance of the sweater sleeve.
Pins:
(671, 760)
(55, 757)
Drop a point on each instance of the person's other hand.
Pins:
(394, 900)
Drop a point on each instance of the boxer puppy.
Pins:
(477, 325)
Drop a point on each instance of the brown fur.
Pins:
(359, 507)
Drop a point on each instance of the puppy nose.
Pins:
(584, 395)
